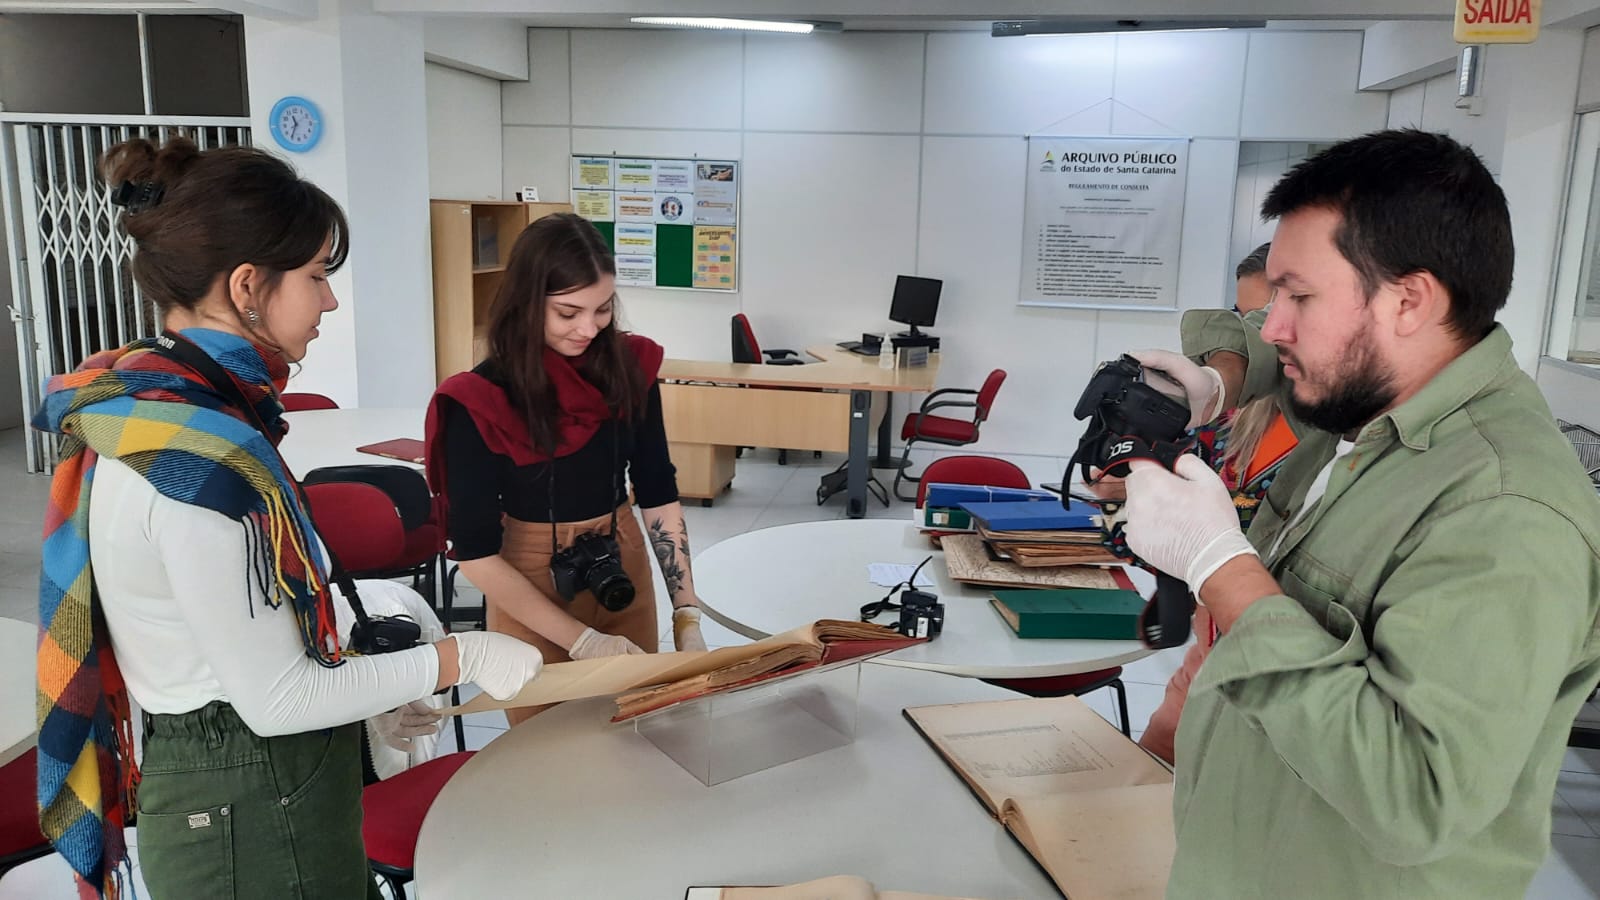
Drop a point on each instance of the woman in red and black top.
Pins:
(544, 436)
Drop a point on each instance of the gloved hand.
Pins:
(1201, 385)
(412, 720)
(594, 644)
(686, 629)
(498, 663)
(1183, 523)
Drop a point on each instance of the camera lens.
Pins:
(611, 586)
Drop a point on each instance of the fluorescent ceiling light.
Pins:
(726, 24)
(1038, 27)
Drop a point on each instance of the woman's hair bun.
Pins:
(141, 161)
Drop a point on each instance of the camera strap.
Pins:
(616, 486)
(176, 347)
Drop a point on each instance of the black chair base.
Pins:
(395, 879)
(839, 480)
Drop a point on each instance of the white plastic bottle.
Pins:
(886, 353)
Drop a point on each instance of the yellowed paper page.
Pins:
(583, 678)
(1014, 749)
(1114, 844)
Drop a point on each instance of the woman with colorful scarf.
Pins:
(182, 571)
(535, 448)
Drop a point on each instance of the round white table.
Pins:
(764, 582)
(568, 805)
(329, 437)
(19, 642)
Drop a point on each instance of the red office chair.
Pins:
(746, 350)
(392, 813)
(999, 473)
(359, 524)
(922, 425)
(363, 527)
(20, 837)
(304, 401)
(422, 555)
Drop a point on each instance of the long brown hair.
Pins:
(556, 255)
(209, 212)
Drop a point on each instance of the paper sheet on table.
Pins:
(893, 575)
(584, 678)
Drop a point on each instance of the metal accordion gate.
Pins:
(72, 286)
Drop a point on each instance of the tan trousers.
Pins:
(526, 546)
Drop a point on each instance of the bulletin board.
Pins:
(672, 223)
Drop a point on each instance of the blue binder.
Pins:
(1032, 516)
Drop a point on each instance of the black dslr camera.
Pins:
(1130, 419)
(921, 615)
(594, 561)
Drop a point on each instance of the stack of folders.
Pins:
(1040, 534)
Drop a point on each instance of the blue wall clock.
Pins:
(296, 124)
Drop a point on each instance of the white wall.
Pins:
(1261, 164)
(491, 47)
(868, 155)
(365, 72)
(463, 124)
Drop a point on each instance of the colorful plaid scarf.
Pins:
(167, 423)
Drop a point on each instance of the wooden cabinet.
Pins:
(472, 240)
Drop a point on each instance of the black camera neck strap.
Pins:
(616, 486)
(177, 347)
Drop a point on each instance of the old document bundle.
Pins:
(655, 680)
(1092, 807)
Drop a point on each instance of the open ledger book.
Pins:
(836, 887)
(654, 680)
(1093, 809)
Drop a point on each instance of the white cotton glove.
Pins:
(594, 644)
(1183, 523)
(686, 629)
(1201, 385)
(399, 726)
(498, 663)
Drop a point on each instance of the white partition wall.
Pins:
(868, 155)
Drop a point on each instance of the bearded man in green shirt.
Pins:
(1409, 628)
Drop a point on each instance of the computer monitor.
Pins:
(916, 301)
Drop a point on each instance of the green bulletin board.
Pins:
(672, 223)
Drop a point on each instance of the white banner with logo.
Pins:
(1102, 222)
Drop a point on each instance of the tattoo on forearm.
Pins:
(672, 569)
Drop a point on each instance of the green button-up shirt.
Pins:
(1393, 723)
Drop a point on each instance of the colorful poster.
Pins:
(635, 239)
(715, 256)
(636, 207)
(594, 205)
(636, 175)
(716, 193)
(590, 173)
(674, 208)
(1102, 221)
(674, 176)
(639, 271)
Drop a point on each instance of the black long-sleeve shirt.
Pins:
(481, 484)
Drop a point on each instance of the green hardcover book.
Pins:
(955, 519)
(1111, 615)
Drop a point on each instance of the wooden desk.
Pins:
(711, 408)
